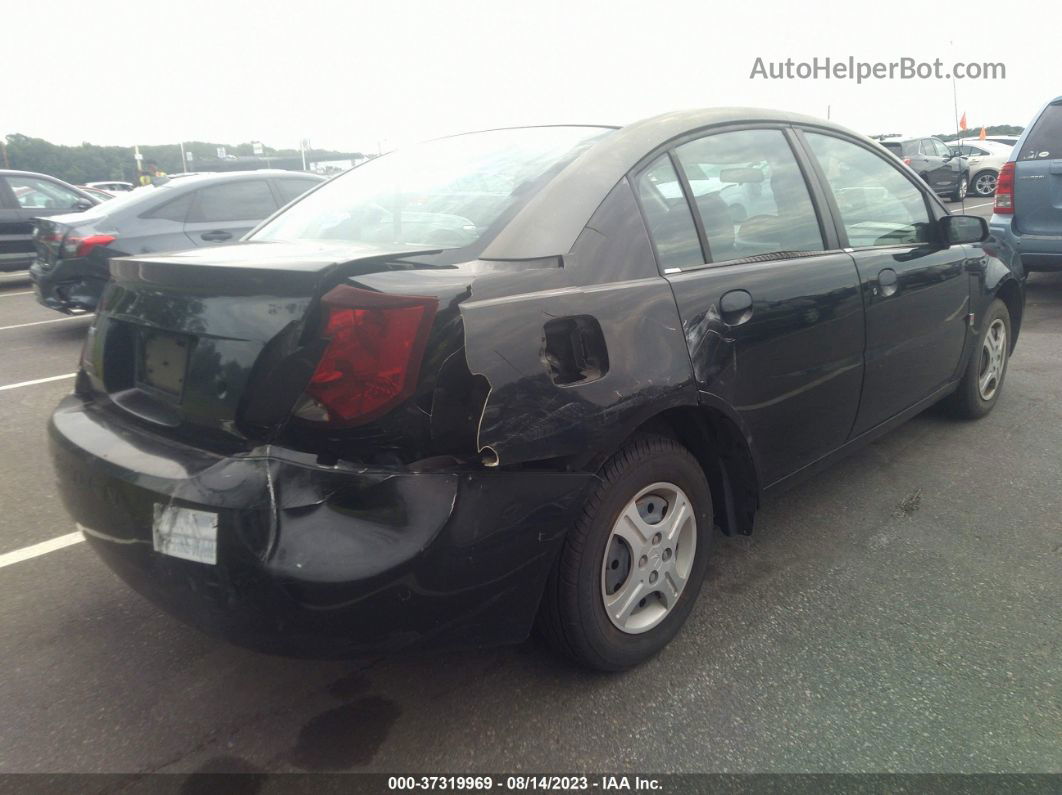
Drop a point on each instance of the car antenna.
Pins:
(958, 133)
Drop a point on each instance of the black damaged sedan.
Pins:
(519, 377)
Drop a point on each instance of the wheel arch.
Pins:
(724, 454)
(1010, 293)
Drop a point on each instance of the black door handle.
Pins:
(735, 307)
(217, 234)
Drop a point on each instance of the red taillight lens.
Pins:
(77, 246)
(371, 364)
(1005, 190)
(907, 161)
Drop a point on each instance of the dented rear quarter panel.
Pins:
(609, 275)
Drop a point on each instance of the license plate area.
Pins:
(162, 362)
(185, 533)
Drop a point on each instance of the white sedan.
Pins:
(986, 158)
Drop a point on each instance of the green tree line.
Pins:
(975, 130)
(94, 163)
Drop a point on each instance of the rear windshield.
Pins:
(1045, 138)
(893, 146)
(122, 198)
(444, 194)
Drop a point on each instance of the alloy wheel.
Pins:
(993, 360)
(648, 558)
(985, 185)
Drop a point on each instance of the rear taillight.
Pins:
(1005, 190)
(375, 345)
(907, 161)
(77, 246)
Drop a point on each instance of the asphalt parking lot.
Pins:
(898, 613)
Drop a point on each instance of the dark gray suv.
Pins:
(25, 195)
(945, 172)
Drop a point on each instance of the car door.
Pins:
(16, 241)
(935, 167)
(225, 212)
(915, 287)
(770, 306)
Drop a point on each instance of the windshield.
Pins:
(444, 194)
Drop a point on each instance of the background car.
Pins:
(102, 195)
(985, 160)
(112, 186)
(947, 174)
(24, 196)
(1027, 216)
(1006, 140)
(73, 251)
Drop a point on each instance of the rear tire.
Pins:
(613, 598)
(984, 183)
(981, 383)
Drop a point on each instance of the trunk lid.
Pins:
(1038, 176)
(47, 240)
(181, 340)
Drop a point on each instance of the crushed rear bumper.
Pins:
(314, 560)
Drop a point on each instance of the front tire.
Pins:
(981, 383)
(960, 190)
(631, 568)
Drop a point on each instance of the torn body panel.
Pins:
(580, 356)
(315, 560)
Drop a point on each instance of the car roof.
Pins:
(901, 139)
(207, 177)
(548, 225)
(11, 172)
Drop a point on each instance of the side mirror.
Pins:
(81, 204)
(963, 229)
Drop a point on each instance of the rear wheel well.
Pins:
(1010, 294)
(722, 452)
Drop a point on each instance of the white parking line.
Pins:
(37, 381)
(36, 550)
(23, 292)
(42, 322)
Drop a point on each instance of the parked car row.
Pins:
(520, 377)
(943, 169)
(74, 250)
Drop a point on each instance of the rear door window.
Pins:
(879, 206)
(173, 210)
(750, 194)
(246, 200)
(1045, 138)
(291, 189)
(667, 214)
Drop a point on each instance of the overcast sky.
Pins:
(355, 75)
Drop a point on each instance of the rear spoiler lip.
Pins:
(313, 258)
